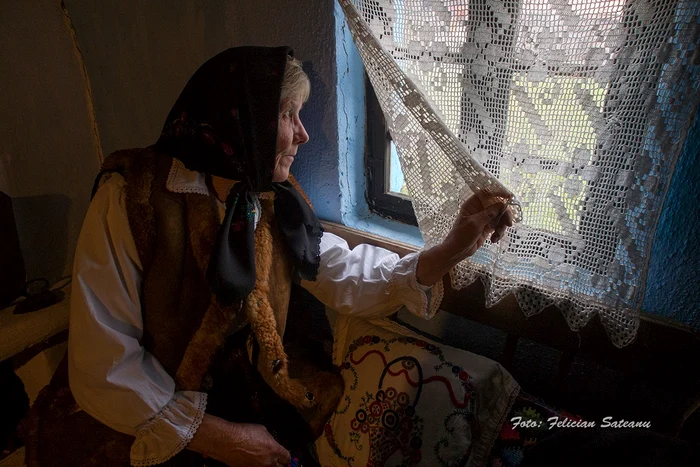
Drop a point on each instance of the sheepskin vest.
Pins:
(184, 323)
(185, 327)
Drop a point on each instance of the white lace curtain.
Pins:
(579, 108)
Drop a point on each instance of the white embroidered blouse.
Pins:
(115, 380)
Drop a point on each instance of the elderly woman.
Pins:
(183, 271)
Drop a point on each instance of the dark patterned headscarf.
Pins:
(225, 123)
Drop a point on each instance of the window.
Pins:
(575, 110)
(386, 187)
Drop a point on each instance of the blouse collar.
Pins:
(183, 180)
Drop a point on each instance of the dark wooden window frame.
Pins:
(377, 151)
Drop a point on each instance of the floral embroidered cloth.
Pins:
(410, 401)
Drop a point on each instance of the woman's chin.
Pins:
(279, 178)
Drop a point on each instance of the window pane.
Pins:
(397, 184)
(568, 107)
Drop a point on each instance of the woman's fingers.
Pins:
(509, 217)
(505, 221)
(496, 237)
(478, 202)
(478, 222)
(482, 201)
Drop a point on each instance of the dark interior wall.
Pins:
(83, 79)
(139, 55)
(48, 146)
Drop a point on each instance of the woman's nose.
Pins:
(300, 134)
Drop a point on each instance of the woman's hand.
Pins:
(475, 222)
(238, 444)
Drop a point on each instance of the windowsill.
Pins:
(388, 229)
(355, 237)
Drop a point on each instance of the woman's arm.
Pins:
(112, 377)
(370, 281)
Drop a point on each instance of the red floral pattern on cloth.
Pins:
(410, 401)
(387, 419)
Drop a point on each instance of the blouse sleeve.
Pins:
(370, 281)
(112, 377)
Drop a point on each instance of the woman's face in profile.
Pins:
(290, 134)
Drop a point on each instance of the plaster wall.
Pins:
(673, 282)
(139, 55)
(48, 145)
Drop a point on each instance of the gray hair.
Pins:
(295, 82)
